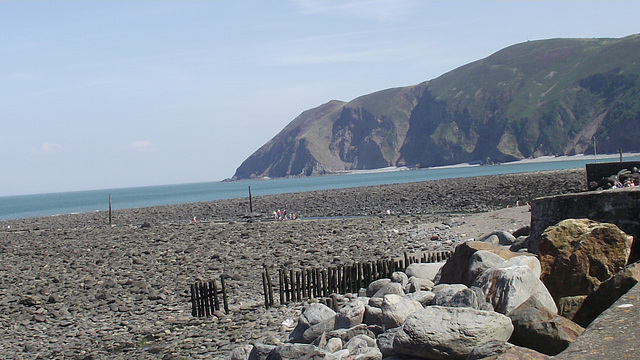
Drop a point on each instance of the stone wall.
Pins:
(616, 206)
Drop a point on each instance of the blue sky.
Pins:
(107, 94)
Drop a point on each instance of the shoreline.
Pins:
(413, 198)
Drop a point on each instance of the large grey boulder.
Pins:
(417, 284)
(391, 288)
(499, 237)
(376, 285)
(359, 341)
(366, 353)
(400, 278)
(347, 334)
(424, 270)
(240, 352)
(317, 316)
(260, 351)
(529, 261)
(481, 261)
(385, 341)
(350, 314)
(535, 327)
(395, 309)
(423, 297)
(472, 297)
(299, 351)
(438, 332)
(506, 288)
(500, 350)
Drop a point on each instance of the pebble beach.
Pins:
(75, 287)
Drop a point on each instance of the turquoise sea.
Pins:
(23, 206)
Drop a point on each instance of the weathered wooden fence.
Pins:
(204, 298)
(298, 285)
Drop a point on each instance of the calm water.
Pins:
(14, 207)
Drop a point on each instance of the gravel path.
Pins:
(72, 287)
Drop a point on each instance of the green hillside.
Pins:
(547, 97)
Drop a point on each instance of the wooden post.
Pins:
(269, 285)
(265, 291)
(224, 294)
(250, 201)
(194, 305)
(109, 209)
(325, 283)
(281, 283)
(216, 302)
(286, 285)
(303, 284)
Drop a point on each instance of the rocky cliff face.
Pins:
(548, 97)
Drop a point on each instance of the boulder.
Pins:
(456, 269)
(400, 278)
(606, 294)
(373, 315)
(350, 314)
(298, 351)
(385, 341)
(347, 334)
(417, 284)
(438, 332)
(481, 261)
(535, 327)
(500, 350)
(458, 295)
(499, 237)
(523, 231)
(316, 315)
(444, 292)
(423, 297)
(240, 352)
(368, 353)
(377, 285)
(424, 270)
(577, 255)
(506, 288)
(569, 305)
(359, 341)
(527, 260)
(521, 244)
(395, 309)
(260, 351)
(472, 297)
(332, 345)
(390, 288)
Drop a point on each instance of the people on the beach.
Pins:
(280, 215)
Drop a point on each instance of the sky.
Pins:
(110, 94)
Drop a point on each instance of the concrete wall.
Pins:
(616, 206)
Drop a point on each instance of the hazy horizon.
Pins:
(102, 94)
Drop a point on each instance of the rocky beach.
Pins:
(74, 287)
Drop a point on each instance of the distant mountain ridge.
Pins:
(546, 97)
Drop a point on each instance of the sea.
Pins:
(24, 206)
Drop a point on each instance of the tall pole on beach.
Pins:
(250, 201)
(595, 153)
(109, 209)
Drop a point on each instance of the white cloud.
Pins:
(139, 146)
(47, 148)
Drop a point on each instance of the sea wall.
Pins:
(616, 206)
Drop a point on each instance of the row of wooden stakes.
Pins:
(204, 298)
(298, 285)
